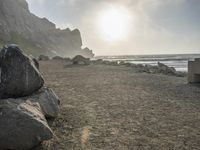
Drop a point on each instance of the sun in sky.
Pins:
(114, 23)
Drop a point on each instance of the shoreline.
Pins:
(160, 68)
(178, 61)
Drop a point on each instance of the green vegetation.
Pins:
(28, 46)
(25, 44)
(1, 44)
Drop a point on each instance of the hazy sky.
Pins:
(128, 26)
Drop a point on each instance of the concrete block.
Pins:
(194, 71)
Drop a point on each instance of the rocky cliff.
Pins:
(37, 35)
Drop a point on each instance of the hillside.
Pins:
(37, 35)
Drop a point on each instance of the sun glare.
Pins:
(114, 24)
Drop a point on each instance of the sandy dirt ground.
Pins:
(113, 108)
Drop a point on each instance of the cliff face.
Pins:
(37, 35)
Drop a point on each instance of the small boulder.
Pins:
(22, 125)
(114, 63)
(43, 58)
(106, 62)
(68, 61)
(127, 64)
(121, 63)
(80, 60)
(57, 58)
(19, 75)
(48, 101)
(98, 61)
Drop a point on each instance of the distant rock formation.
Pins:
(158, 69)
(37, 35)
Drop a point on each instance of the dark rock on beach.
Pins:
(43, 58)
(19, 73)
(22, 125)
(80, 60)
(57, 58)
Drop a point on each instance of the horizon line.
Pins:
(148, 54)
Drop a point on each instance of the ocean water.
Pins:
(179, 62)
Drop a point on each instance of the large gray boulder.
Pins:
(19, 75)
(22, 125)
(48, 101)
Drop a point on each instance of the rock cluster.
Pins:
(159, 69)
(24, 103)
(77, 60)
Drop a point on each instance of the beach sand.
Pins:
(107, 107)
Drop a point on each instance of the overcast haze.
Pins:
(151, 26)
